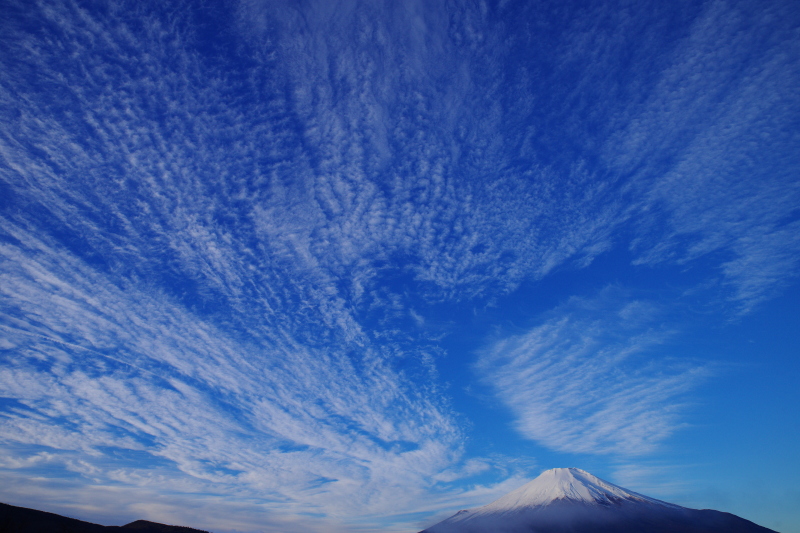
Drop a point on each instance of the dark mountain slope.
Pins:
(23, 520)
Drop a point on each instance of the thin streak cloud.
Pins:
(581, 381)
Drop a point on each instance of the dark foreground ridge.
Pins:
(23, 520)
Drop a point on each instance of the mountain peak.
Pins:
(573, 500)
(565, 484)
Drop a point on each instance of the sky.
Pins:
(330, 266)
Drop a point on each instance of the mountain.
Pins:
(23, 520)
(570, 500)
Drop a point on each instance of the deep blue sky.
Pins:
(343, 266)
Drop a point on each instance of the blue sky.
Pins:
(353, 266)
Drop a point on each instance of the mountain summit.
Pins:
(566, 484)
(571, 500)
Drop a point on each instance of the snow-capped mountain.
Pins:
(570, 500)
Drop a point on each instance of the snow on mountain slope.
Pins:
(570, 500)
(565, 484)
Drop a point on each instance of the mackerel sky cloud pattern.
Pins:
(354, 266)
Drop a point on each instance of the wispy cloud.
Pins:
(211, 247)
(713, 154)
(653, 478)
(271, 420)
(582, 380)
(198, 294)
(188, 293)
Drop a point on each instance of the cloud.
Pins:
(711, 152)
(117, 504)
(211, 246)
(266, 420)
(173, 261)
(585, 380)
(174, 289)
(653, 478)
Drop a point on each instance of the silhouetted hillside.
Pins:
(22, 520)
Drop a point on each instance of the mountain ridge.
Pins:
(14, 519)
(571, 500)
